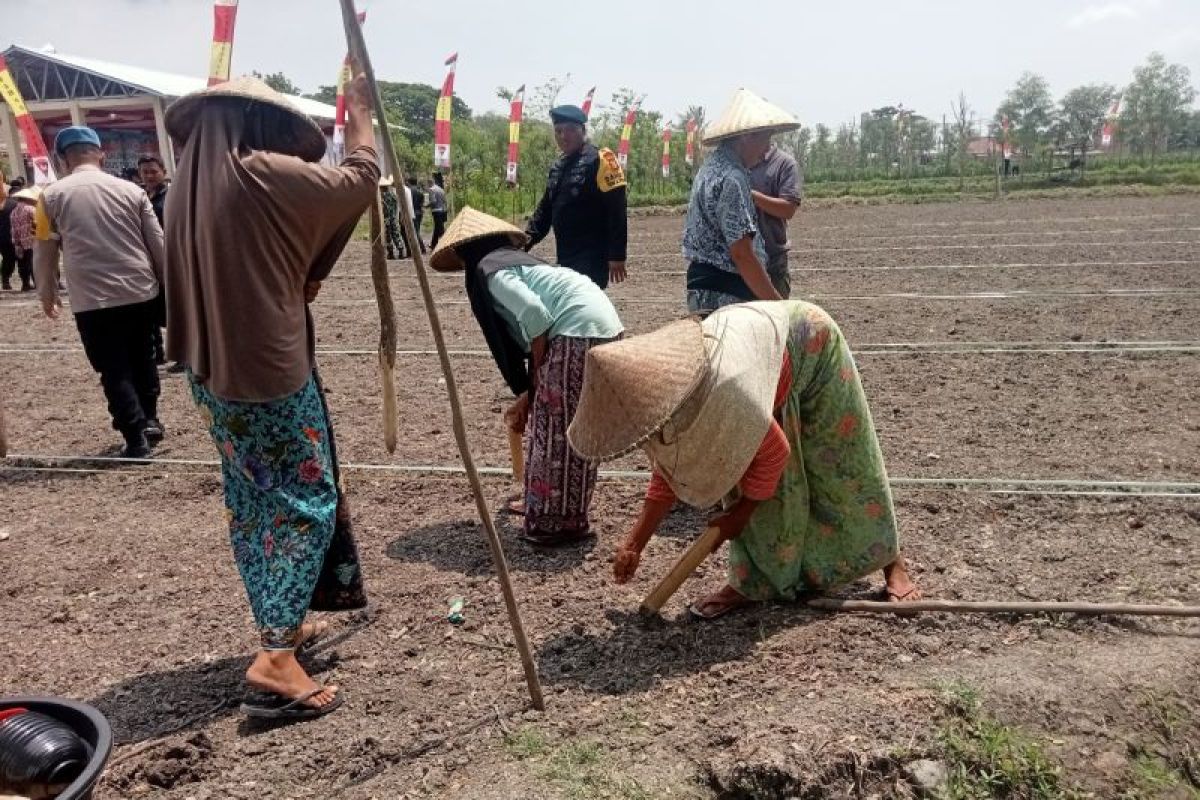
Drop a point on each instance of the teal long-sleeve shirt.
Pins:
(556, 301)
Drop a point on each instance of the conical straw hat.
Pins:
(632, 387)
(748, 113)
(468, 226)
(296, 134)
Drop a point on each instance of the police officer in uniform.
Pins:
(584, 203)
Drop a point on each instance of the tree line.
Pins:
(1156, 119)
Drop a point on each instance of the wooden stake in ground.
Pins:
(701, 549)
(358, 50)
(516, 451)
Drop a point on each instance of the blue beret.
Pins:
(568, 114)
(76, 134)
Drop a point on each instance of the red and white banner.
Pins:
(587, 102)
(515, 113)
(441, 124)
(43, 170)
(627, 133)
(666, 159)
(1006, 149)
(339, 119)
(1109, 131)
(689, 154)
(224, 20)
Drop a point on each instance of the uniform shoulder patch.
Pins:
(609, 176)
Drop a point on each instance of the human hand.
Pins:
(358, 91)
(625, 563)
(617, 272)
(734, 521)
(517, 414)
(311, 289)
(52, 307)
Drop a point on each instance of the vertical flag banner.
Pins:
(339, 120)
(441, 124)
(43, 171)
(587, 102)
(515, 113)
(689, 155)
(1005, 149)
(627, 133)
(224, 19)
(1109, 131)
(666, 160)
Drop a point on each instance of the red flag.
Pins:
(1005, 149)
(1109, 131)
(666, 159)
(43, 170)
(441, 124)
(224, 19)
(690, 153)
(587, 102)
(339, 120)
(515, 112)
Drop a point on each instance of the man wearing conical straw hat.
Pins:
(539, 321)
(238, 321)
(759, 404)
(722, 242)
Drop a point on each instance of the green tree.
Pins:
(1030, 111)
(279, 82)
(961, 133)
(1081, 113)
(1156, 104)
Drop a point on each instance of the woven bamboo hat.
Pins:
(748, 113)
(697, 397)
(632, 387)
(468, 226)
(297, 135)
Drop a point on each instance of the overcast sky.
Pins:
(826, 61)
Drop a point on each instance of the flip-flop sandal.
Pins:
(722, 609)
(268, 705)
(898, 600)
(312, 642)
(565, 540)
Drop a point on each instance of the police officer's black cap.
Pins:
(568, 114)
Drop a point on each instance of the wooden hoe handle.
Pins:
(701, 549)
(516, 449)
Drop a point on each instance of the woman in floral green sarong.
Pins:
(759, 405)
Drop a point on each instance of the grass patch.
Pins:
(987, 759)
(578, 768)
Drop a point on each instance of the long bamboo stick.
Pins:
(358, 49)
(993, 607)
(709, 541)
(387, 327)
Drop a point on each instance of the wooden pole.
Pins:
(358, 50)
(387, 328)
(516, 450)
(990, 607)
(701, 549)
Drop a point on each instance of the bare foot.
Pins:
(278, 671)
(515, 504)
(719, 603)
(900, 586)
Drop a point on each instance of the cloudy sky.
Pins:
(826, 61)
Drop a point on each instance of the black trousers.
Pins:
(418, 218)
(8, 261)
(119, 343)
(25, 269)
(439, 227)
(592, 264)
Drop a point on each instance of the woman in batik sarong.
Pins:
(254, 224)
(539, 321)
(760, 406)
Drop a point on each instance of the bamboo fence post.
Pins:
(358, 50)
(387, 325)
(995, 607)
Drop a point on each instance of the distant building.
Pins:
(125, 105)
